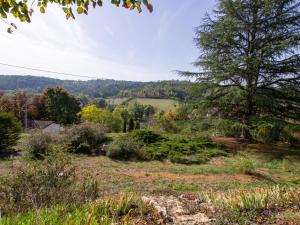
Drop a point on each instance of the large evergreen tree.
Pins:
(250, 62)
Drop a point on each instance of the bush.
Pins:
(266, 130)
(38, 144)
(229, 128)
(10, 130)
(146, 145)
(85, 138)
(243, 165)
(146, 136)
(124, 147)
(184, 151)
(35, 185)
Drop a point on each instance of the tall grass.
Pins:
(123, 209)
(255, 199)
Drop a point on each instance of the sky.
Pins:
(109, 43)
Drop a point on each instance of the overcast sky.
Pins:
(108, 43)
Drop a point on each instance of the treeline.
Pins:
(53, 104)
(162, 89)
(101, 88)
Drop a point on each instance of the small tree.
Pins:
(10, 129)
(130, 124)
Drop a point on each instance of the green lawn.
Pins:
(163, 104)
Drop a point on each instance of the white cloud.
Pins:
(51, 42)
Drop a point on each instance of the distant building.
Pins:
(45, 126)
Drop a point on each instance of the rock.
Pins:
(179, 210)
(207, 208)
(196, 219)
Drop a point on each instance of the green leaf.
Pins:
(4, 15)
(80, 10)
(42, 10)
(100, 3)
(66, 10)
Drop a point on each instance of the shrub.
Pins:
(243, 165)
(229, 128)
(146, 136)
(266, 131)
(85, 138)
(35, 185)
(184, 151)
(38, 144)
(146, 145)
(124, 147)
(10, 130)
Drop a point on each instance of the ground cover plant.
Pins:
(148, 145)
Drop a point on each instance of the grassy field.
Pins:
(162, 104)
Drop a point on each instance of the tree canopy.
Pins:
(23, 9)
(250, 63)
(61, 106)
(10, 130)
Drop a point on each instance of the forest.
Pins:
(96, 88)
(220, 147)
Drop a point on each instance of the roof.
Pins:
(42, 124)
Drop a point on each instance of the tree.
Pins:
(10, 130)
(130, 124)
(61, 106)
(250, 67)
(23, 9)
(137, 112)
(99, 102)
(37, 107)
(111, 120)
(16, 104)
(124, 114)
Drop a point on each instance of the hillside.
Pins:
(103, 88)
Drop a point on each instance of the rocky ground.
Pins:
(182, 210)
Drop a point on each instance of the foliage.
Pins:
(16, 104)
(85, 138)
(111, 120)
(243, 165)
(23, 10)
(229, 128)
(121, 209)
(166, 121)
(147, 145)
(158, 90)
(130, 124)
(61, 106)
(250, 64)
(38, 144)
(124, 148)
(146, 136)
(10, 130)
(35, 185)
(183, 151)
(99, 102)
(252, 206)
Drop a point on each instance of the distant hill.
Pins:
(101, 88)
